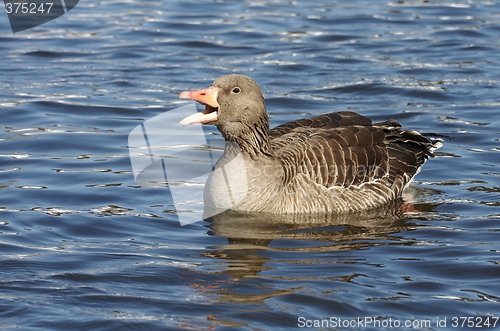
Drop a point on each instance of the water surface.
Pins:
(84, 247)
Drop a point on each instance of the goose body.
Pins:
(336, 162)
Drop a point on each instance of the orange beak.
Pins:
(207, 97)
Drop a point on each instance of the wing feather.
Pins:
(338, 157)
(344, 150)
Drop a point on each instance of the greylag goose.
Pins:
(336, 162)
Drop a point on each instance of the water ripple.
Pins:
(79, 235)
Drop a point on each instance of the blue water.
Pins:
(84, 247)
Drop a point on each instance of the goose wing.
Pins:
(345, 149)
(341, 156)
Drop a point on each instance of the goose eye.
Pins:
(236, 90)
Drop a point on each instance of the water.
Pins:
(86, 248)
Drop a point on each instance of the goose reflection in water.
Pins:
(254, 240)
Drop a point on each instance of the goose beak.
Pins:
(207, 97)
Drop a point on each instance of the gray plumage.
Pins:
(336, 162)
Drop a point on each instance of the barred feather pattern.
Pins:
(337, 162)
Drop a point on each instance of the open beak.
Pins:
(207, 97)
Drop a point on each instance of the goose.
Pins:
(332, 163)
